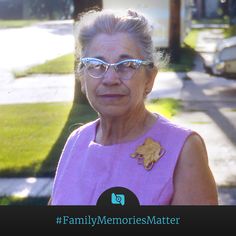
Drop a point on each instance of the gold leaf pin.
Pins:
(148, 153)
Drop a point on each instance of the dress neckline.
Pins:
(122, 143)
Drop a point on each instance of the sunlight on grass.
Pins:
(167, 107)
(29, 131)
(191, 38)
(60, 65)
(201, 122)
(230, 32)
(16, 23)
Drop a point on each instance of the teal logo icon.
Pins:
(118, 199)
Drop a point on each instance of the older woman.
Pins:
(128, 146)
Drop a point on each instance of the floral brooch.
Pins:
(148, 153)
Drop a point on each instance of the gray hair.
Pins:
(110, 22)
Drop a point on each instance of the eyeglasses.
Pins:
(97, 68)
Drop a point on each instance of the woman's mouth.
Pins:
(111, 97)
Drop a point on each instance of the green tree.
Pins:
(53, 9)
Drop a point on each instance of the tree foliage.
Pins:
(36, 9)
(52, 9)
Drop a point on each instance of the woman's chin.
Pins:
(111, 111)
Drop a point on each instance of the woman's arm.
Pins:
(193, 180)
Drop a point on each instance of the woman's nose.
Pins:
(111, 77)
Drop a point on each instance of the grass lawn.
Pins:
(29, 201)
(60, 65)
(229, 32)
(218, 21)
(16, 23)
(167, 107)
(191, 39)
(33, 135)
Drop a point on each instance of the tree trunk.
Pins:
(174, 30)
(79, 97)
(79, 7)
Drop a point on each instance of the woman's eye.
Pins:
(131, 64)
(96, 66)
(128, 65)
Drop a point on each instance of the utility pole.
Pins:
(174, 30)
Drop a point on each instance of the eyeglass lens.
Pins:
(125, 69)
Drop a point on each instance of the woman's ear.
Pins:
(151, 78)
(81, 81)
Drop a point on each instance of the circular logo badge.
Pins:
(118, 197)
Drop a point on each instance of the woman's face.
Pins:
(110, 95)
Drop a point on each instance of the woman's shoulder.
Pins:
(80, 134)
(170, 128)
(81, 130)
(193, 170)
(173, 124)
(83, 127)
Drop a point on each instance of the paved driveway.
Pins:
(27, 46)
(23, 47)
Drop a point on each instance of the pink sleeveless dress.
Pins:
(86, 169)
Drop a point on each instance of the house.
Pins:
(159, 13)
(215, 9)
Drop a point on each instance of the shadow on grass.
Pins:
(185, 64)
(79, 114)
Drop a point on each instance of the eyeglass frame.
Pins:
(140, 62)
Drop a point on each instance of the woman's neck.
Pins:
(113, 130)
